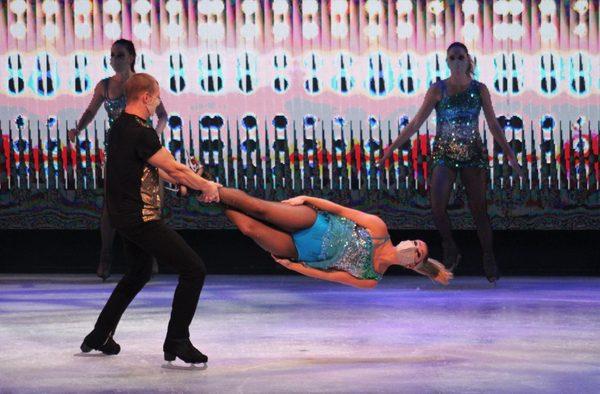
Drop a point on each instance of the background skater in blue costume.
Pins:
(110, 92)
(458, 149)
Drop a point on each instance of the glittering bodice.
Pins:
(457, 135)
(114, 107)
(346, 247)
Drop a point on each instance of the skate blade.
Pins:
(185, 367)
(90, 354)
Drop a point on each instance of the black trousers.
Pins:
(141, 242)
(107, 235)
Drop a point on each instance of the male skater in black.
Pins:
(135, 166)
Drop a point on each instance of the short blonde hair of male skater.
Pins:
(139, 84)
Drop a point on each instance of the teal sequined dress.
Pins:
(457, 142)
(113, 108)
(334, 243)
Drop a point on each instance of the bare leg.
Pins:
(285, 217)
(474, 181)
(442, 180)
(274, 241)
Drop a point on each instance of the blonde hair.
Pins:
(434, 270)
(138, 84)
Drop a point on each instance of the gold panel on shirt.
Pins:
(150, 193)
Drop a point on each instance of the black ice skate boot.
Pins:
(94, 342)
(184, 350)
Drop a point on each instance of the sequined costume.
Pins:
(336, 243)
(457, 143)
(150, 188)
(113, 108)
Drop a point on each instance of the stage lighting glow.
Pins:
(547, 7)
(18, 30)
(217, 7)
(82, 7)
(212, 31)
(581, 6)
(250, 7)
(515, 31)
(504, 31)
(403, 7)
(281, 31)
(404, 30)
(280, 7)
(470, 7)
(83, 30)
(205, 7)
(373, 30)
(310, 30)
(204, 31)
(436, 7)
(249, 30)
(339, 7)
(470, 31)
(142, 30)
(339, 29)
(374, 7)
(436, 30)
(174, 7)
(174, 30)
(18, 7)
(580, 30)
(210, 7)
(113, 30)
(558, 75)
(142, 7)
(50, 30)
(112, 7)
(515, 7)
(501, 7)
(548, 32)
(501, 31)
(310, 7)
(50, 7)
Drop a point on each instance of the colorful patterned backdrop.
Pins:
(273, 66)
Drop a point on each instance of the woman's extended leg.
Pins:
(283, 216)
(274, 241)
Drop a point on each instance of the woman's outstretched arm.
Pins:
(332, 276)
(89, 113)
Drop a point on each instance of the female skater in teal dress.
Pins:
(324, 240)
